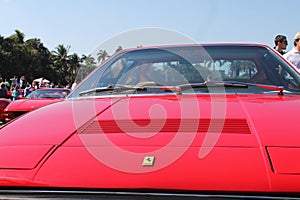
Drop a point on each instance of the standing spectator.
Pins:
(68, 86)
(52, 85)
(294, 55)
(16, 93)
(8, 90)
(3, 90)
(23, 82)
(27, 89)
(59, 85)
(74, 85)
(14, 82)
(35, 85)
(7, 84)
(41, 83)
(280, 44)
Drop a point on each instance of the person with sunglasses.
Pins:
(280, 43)
(294, 54)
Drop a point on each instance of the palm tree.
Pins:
(119, 49)
(18, 52)
(242, 68)
(62, 51)
(61, 60)
(102, 55)
(74, 65)
(38, 59)
(18, 37)
(89, 60)
(88, 65)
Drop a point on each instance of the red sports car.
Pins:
(36, 99)
(176, 122)
(3, 103)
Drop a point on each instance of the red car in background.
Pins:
(169, 122)
(36, 99)
(3, 103)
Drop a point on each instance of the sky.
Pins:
(84, 25)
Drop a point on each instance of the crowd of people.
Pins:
(13, 89)
(293, 56)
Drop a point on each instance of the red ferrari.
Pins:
(176, 122)
(36, 99)
(3, 103)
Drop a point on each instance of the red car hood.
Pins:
(29, 104)
(269, 117)
(215, 130)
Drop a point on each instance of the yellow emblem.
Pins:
(148, 161)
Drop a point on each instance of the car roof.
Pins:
(199, 44)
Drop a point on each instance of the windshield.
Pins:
(190, 65)
(48, 94)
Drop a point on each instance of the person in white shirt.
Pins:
(294, 55)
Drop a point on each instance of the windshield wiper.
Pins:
(262, 86)
(110, 88)
(94, 90)
(117, 88)
(233, 84)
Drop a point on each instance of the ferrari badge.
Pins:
(148, 161)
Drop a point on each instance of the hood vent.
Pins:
(233, 126)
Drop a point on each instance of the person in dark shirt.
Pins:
(3, 91)
(280, 43)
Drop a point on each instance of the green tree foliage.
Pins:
(87, 66)
(119, 49)
(32, 59)
(102, 55)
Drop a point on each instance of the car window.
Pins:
(49, 94)
(173, 66)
